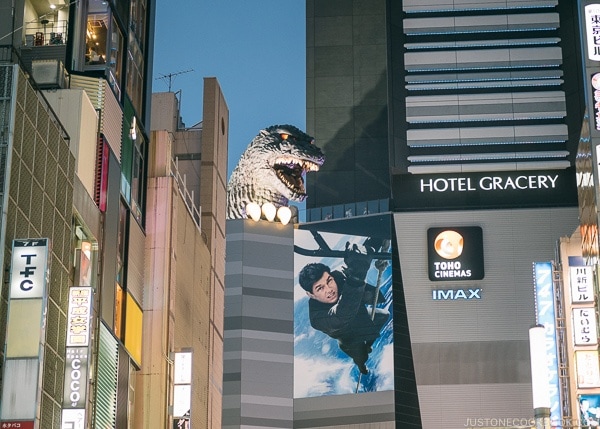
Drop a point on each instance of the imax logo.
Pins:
(449, 294)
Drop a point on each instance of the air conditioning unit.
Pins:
(48, 74)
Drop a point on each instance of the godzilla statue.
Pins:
(271, 168)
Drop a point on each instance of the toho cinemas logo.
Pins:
(455, 253)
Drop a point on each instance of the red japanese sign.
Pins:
(16, 424)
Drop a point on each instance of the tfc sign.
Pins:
(25, 332)
(28, 275)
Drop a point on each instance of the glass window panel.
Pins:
(96, 37)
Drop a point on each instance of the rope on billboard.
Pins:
(325, 251)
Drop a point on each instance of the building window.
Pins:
(120, 312)
(85, 260)
(135, 74)
(137, 179)
(104, 44)
(115, 59)
(138, 20)
(122, 245)
(96, 37)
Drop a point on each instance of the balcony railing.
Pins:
(46, 33)
(188, 197)
(341, 211)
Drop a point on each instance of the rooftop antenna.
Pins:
(171, 76)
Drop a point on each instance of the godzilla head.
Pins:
(289, 153)
(271, 169)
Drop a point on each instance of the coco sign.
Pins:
(455, 253)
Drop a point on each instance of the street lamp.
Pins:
(539, 377)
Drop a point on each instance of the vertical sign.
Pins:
(588, 372)
(78, 317)
(546, 316)
(76, 358)
(592, 31)
(584, 326)
(25, 332)
(595, 81)
(182, 389)
(28, 269)
(581, 281)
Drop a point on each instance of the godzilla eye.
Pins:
(284, 136)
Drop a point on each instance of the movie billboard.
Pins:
(589, 410)
(343, 324)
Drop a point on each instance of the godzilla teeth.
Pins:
(305, 165)
(289, 184)
(310, 166)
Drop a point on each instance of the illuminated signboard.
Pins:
(17, 424)
(456, 294)
(482, 190)
(28, 269)
(584, 326)
(581, 282)
(334, 354)
(73, 419)
(182, 394)
(77, 359)
(595, 82)
(78, 317)
(546, 316)
(455, 254)
(588, 370)
(182, 387)
(182, 368)
(592, 31)
(76, 363)
(25, 330)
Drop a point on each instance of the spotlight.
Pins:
(284, 214)
(269, 211)
(253, 210)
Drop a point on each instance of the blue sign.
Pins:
(546, 316)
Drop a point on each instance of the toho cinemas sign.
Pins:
(483, 190)
(455, 253)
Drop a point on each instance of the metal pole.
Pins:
(542, 418)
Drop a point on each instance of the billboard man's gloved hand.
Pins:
(357, 264)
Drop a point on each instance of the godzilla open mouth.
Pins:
(290, 171)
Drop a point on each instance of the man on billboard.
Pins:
(338, 301)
